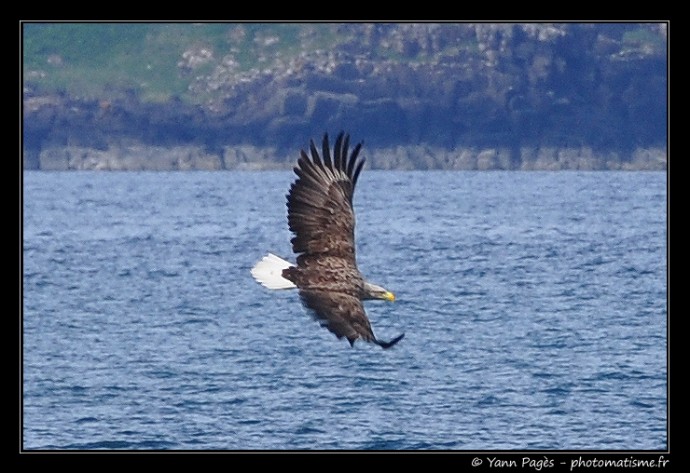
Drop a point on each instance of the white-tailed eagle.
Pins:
(322, 219)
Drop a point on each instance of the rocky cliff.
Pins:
(445, 96)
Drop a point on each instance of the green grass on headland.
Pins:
(88, 60)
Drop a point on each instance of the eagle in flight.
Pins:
(322, 219)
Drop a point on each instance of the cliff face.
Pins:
(522, 92)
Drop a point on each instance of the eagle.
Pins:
(322, 218)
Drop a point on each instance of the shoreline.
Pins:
(137, 157)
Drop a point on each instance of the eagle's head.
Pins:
(372, 291)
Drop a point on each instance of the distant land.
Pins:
(155, 96)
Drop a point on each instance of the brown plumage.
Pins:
(322, 219)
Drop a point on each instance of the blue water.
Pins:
(534, 307)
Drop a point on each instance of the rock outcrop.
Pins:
(484, 96)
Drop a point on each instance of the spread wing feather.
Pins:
(320, 212)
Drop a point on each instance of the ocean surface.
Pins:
(534, 307)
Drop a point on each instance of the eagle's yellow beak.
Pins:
(389, 296)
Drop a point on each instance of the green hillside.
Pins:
(91, 60)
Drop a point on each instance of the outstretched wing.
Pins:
(340, 313)
(320, 212)
(343, 315)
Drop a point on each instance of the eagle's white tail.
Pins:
(269, 272)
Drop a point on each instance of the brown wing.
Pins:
(340, 313)
(343, 315)
(320, 212)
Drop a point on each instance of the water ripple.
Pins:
(534, 307)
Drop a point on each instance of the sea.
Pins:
(534, 307)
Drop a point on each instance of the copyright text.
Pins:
(576, 463)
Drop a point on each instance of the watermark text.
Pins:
(545, 462)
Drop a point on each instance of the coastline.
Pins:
(139, 157)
